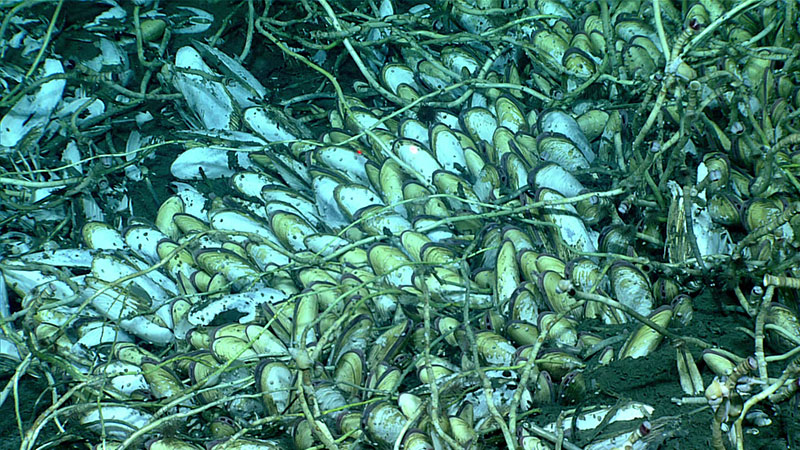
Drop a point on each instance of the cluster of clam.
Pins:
(417, 277)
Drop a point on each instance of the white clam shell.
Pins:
(116, 422)
(480, 123)
(266, 123)
(33, 111)
(354, 197)
(447, 148)
(419, 158)
(571, 228)
(214, 163)
(249, 85)
(209, 100)
(251, 183)
(244, 302)
(557, 178)
(349, 162)
(99, 235)
(557, 121)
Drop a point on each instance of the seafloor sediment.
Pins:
(400, 225)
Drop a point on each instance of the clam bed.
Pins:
(481, 225)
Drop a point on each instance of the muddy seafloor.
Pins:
(652, 380)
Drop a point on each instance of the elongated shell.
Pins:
(209, 100)
(645, 339)
(631, 287)
(570, 227)
(274, 380)
(383, 422)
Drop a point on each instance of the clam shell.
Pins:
(383, 422)
(578, 63)
(350, 371)
(100, 236)
(361, 119)
(290, 229)
(306, 311)
(645, 339)
(32, 112)
(116, 422)
(719, 363)
(526, 303)
(459, 60)
(571, 228)
(394, 75)
(375, 221)
(415, 130)
(446, 327)
(510, 115)
(390, 184)
(557, 148)
(507, 275)
(689, 375)
(433, 76)
(385, 378)
(786, 338)
(555, 177)
(560, 301)
(388, 344)
(447, 149)
(638, 62)
(558, 363)
(560, 122)
(449, 183)
(587, 275)
(551, 44)
(168, 443)
(198, 163)
(494, 349)
(299, 202)
(274, 381)
(487, 184)
(418, 440)
(593, 123)
(161, 381)
(631, 287)
(354, 336)
(562, 332)
(235, 268)
(516, 171)
(417, 157)
(209, 100)
(479, 123)
(232, 68)
(350, 162)
(522, 332)
(271, 124)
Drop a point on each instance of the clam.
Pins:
(32, 112)
(209, 100)
(559, 149)
(645, 339)
(632, 287)
(383, 422)
(555, 177)
(560, 123)
(569, 227)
